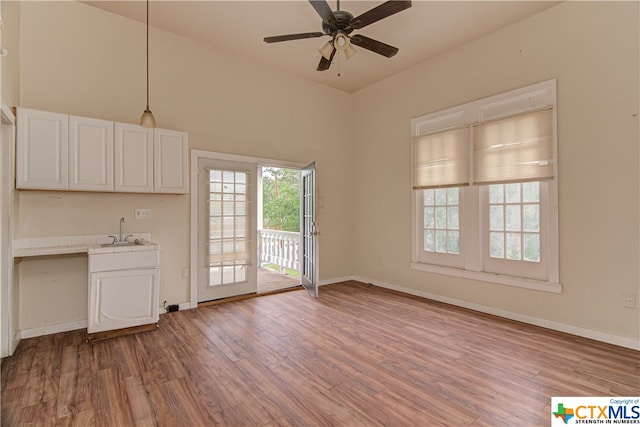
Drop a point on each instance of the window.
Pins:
(485, 189)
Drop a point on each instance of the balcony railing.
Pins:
(280, 248)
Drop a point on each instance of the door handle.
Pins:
(315, 233)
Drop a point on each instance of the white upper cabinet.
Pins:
(42, 153)
(90, 154)
(133, 158)
(170, 163)
(62, 152)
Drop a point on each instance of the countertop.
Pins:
(89, 244)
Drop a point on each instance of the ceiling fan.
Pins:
(339, 24)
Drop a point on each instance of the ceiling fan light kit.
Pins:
(349, 51)
(339, 24)
(327, 50)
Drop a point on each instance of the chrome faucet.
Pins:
(119, 239)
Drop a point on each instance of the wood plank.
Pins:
(358, 355)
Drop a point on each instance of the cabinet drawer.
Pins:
(123, 260)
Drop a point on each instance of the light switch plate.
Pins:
(143, 213)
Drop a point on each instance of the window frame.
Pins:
(472, 262)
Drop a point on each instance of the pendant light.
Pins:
(147, 120)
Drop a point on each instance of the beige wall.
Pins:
(591, 48)
(11, 62)
(84, 62)
(87, 62)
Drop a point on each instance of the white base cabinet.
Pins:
(123, 290)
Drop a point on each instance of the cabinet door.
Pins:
(133, 158)
(170, 151)
(42, 153)
(90, 154)
(122, 299)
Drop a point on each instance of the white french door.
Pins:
(227, 255)
(308, 260)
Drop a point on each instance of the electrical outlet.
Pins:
(143, 213)
(185, 272)
(629, 300)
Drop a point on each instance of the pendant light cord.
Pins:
(147, 54)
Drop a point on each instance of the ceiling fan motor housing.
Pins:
(343, 19)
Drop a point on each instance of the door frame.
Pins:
(196, 155)
(8, 321)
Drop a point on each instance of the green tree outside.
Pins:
(281, 199)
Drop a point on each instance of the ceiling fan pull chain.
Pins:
(339, 68)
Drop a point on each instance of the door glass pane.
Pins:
(228, 225)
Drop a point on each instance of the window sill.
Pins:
(499, 279)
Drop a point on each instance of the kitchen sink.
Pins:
(119, 244)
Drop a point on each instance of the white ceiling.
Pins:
(426, 29)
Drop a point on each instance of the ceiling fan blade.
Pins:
(374, 45)
(287, 37)
(324, 10)
(379, 12)
(325, 63)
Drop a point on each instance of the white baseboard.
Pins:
(544, 323)
(53, 329)
(334, 280)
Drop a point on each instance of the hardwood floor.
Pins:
(358, 355)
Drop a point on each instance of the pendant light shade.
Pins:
(147, 120)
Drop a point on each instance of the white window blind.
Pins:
(441, 159)
(514, 149)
